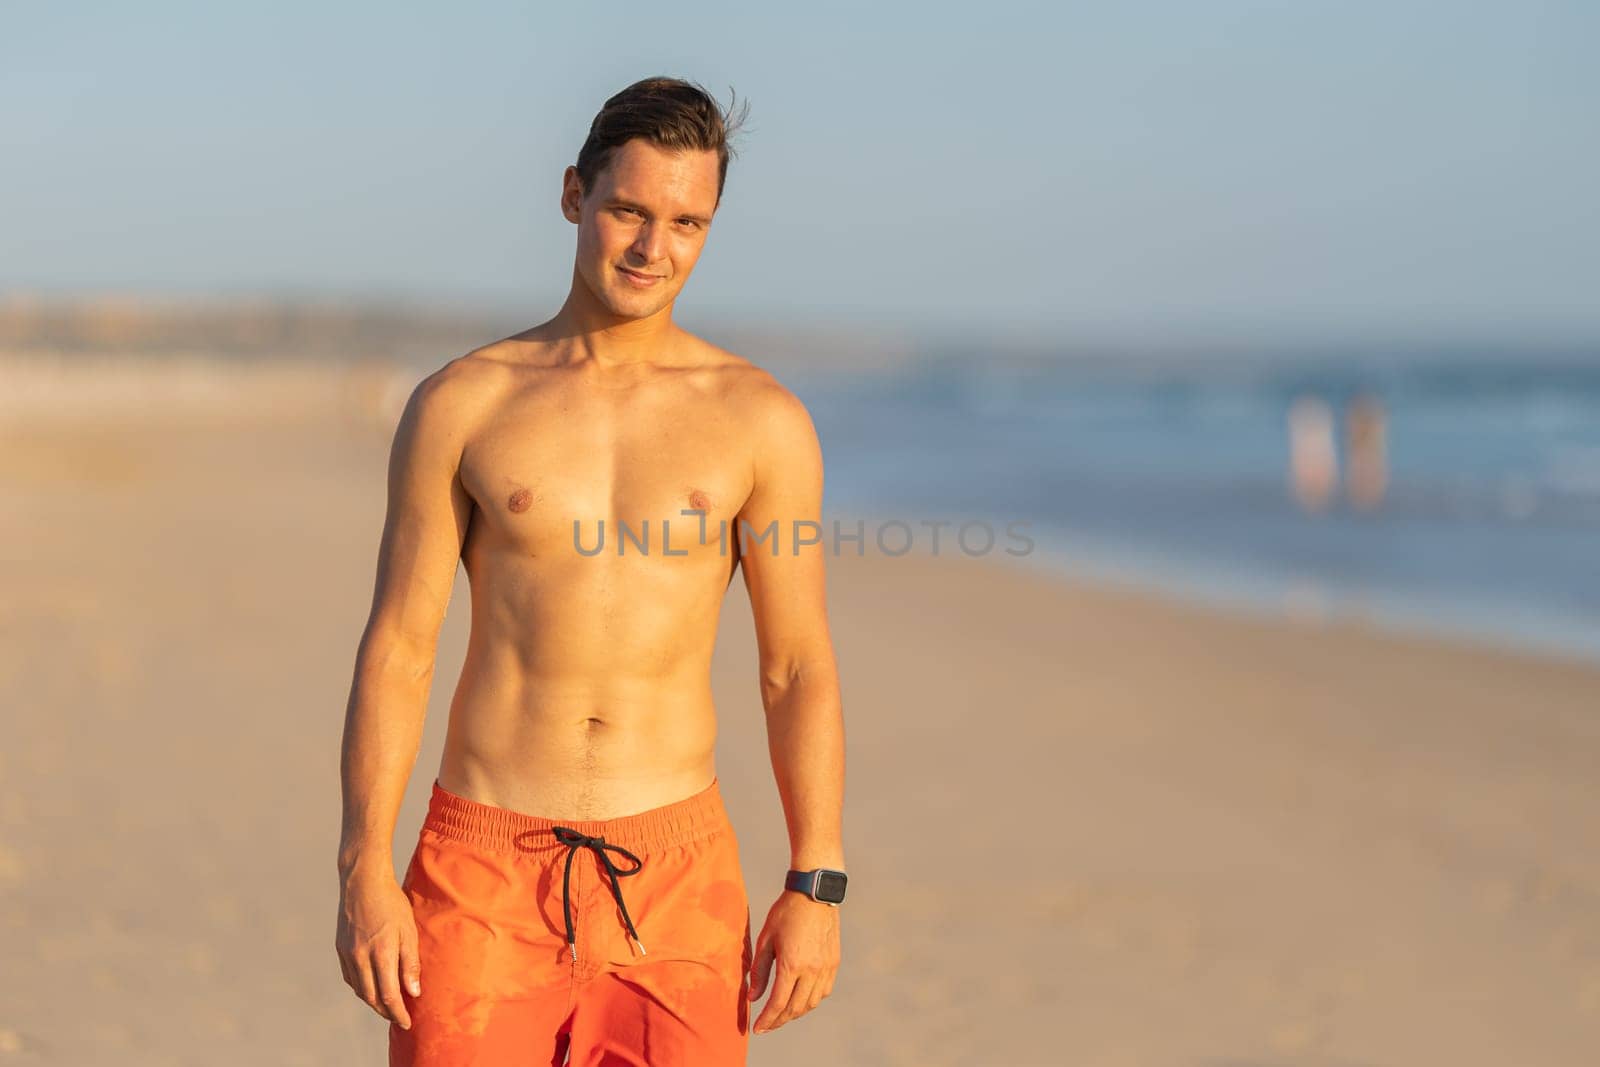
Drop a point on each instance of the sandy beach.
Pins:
(1084, 825)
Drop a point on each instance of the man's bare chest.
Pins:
(658, 477)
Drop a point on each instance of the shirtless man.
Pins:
(576, 888)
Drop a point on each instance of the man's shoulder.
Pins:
(774, 422)
(451, 400)
(467, 380)
(755, 389)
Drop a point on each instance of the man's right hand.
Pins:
(377, 943)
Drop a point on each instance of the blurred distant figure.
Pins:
(1313, 456)
(1366, 458)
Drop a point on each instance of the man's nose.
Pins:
(651, 244)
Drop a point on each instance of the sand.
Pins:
(1084, 825)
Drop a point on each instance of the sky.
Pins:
(1162, 170)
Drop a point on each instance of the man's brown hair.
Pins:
(668, 112)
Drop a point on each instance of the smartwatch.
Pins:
(823, 884)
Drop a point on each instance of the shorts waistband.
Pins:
(690, 819)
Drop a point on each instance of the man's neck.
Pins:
(596, 335)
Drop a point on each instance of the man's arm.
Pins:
(424, 528)
(801, 694)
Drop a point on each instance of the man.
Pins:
(576, 888)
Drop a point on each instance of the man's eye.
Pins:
(691, 223)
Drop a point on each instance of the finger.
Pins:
(825, 982)
(782, 990)
(345, 970)
(386, 968)
(799, 1000)
(761, 969)
(819, 993)
(365, 987)
(410, 963)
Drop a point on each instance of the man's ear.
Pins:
(571, 195)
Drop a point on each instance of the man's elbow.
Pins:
(394, 654)
(781, 678)
(776, 681)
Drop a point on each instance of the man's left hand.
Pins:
(802, 936)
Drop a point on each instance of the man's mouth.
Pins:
(643, 281)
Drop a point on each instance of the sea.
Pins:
(1175, 476)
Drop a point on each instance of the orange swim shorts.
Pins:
(619, 942)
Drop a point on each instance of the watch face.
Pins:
(830, 887)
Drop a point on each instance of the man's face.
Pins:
(642, 226)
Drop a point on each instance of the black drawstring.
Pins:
(574, 841)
